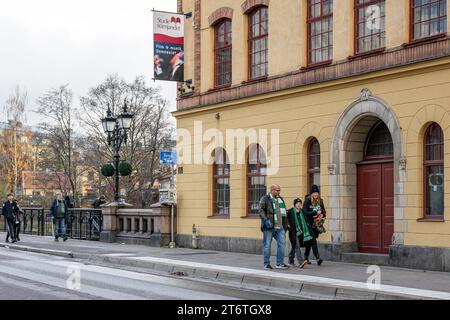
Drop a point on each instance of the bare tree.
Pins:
(150, 131)
(56, 106)
(15, 138)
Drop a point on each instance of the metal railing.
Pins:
(82, 224)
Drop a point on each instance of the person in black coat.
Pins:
(295, 226)
(314, 210)
(9, 211)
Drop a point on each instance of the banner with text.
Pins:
(168, 38)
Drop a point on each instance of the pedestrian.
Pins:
(272, 211)
(68, 201)
(9, 209)
(299, 233)
(99, 202)
(315, 213)
(18, 220)
(58, 212)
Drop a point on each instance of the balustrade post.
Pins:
(110, 225)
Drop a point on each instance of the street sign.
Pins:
(166, 196)
(166, 157)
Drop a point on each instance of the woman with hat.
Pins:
(314, 211)
(299, 233)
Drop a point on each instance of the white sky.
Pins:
(48, 43)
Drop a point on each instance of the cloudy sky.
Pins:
(48, 43)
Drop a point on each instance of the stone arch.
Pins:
(219, 14)
(346, 150)
(249, 5)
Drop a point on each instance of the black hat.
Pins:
(297, 200)
(314, 188)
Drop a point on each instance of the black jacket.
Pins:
(266, 212)
(310, 214)
(10, 209)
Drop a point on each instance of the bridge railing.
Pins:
(83, 224)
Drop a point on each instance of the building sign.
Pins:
(168, 38)
(166, 157)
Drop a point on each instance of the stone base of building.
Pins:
(412, 257)
(155, 240)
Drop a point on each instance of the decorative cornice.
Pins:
(393, 58)
(219, 14)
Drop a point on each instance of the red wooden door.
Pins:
(375, 205)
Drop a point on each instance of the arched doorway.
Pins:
(375, 192)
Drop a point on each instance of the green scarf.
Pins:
(282, 209)
(306, 235)
(298, 229)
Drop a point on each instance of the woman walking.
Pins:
(299, 233)
(315, 213)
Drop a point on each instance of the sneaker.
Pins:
(303, 264)
(268, 267)
(7, 240)
(56, 239)
(282, 266)
(291, 264)
(319, 262)
(65, 239)
(14, 241)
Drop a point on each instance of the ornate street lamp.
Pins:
(117, 130)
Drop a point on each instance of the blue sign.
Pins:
(166, 157)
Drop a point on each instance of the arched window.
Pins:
(256, 178)
(434, 171)
(428, 18)
(313, 163)
(223, 53)
(258, 42)
(221, 183)
(379, 143)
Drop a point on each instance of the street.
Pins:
(31, 276)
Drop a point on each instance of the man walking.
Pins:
(58, 212)
(9, 211)
(272, 211)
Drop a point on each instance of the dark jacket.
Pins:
(266, 212)
(310, 214)
(98, 203)
(293, 230)
(10, 209)
(53, 209)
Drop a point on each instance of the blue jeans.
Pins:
(60, 227)
(280, 238)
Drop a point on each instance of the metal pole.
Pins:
(172, 241)
(116, 161)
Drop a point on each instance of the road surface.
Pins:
(25, 275)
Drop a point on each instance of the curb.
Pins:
(294, 287)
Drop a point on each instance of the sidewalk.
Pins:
(332, 279)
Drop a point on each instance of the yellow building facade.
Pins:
(343, 95)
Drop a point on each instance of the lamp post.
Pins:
(117, 130)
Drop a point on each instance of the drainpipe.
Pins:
(195, 237)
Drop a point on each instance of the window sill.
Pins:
(255, 80)
(417, 42)
(431, 219)
(367, 53)
(251, 217)
(220, 217)
(218, 88)
(316, 65)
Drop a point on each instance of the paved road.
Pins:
(25, 275)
